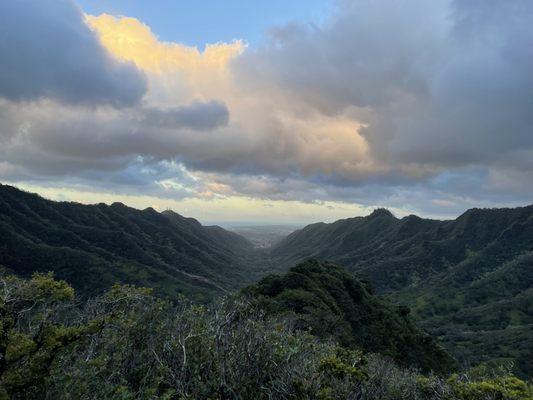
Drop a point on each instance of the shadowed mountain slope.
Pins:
(468, 280)
(331, 302)
(94, 246)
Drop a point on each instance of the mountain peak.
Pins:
(381, 212)
(117, 204)
(174, 216)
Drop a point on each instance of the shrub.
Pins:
(128, 344)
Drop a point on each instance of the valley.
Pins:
(467, 281)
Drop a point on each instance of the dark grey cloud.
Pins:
(368, 54)
(198, 116)
(47, 51)
(482, 95)
(32, 135)
(440, 84)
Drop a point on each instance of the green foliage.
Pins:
(502, 387)
(329, 302)
(468, 281)
(44, 288)
(93, 247)
(31, 334)
(127, 344)
(507, 388)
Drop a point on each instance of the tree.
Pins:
(32, 333)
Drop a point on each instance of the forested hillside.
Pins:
(95, 246)
(468, 280)
(328, 301)
(128, 344)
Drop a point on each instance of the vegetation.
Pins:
(128, 344)
(468, 281)
(92, 247)
(329, 302)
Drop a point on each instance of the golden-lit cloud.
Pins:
(130, 39)
(268, 128)
(174, 69)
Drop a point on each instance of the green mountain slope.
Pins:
(330, 302)
(468, 280)
(94, 246)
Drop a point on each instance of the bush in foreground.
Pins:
(127, 344)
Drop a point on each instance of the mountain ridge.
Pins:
(442, 270)
(94, 246)
(468, 281)
(330, 302)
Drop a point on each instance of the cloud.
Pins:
(197, 116)
(437, 84)
(176, 72)
(368, 54)
(265, 134)
(55, 136)
(423, 106)
(102, 138)
(48, 51)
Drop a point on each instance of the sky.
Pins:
(270, 112)
(197, 23)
